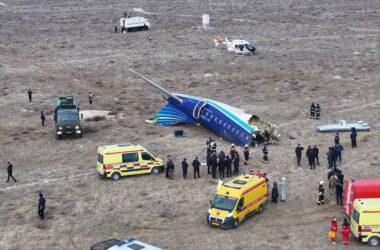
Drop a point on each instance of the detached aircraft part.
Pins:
(228, 122)
(343, 126)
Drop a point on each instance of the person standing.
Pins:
(336, 139)
(317, 112)
(310, 157)
(43, 118)
(339, 148)
(236, 161)
(316, 153)
(10, 170)
(339, 192)
(214, 166)
(208, 160)
(345, 231)
(228, 164)
(170, 169)
(265, 154)
(115, 29)
(30, 92)
(150, 38)
(283, 189)
(246, 151)
(333, 229)
(321, 194)
(196, 165)
(184, 168)
(208, 144)
(334, 158)
(312, 110)
(41, 206)
(168, 163)
(221, 164)
(330, 156)
(90, 96)
(232, 151)
(299, 154)
(353, 137)
(274, 193)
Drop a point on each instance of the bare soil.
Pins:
(308, 51)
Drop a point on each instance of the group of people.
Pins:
(275, 194)
(345, 231)
(315, 111)
(170, 168)
(312, 154)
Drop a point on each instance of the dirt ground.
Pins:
(308, 51)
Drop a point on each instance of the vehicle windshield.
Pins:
(68, 117)
(224, 203)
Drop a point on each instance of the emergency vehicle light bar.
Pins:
(233, 186)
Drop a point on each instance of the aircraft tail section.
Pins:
(163, 91)
(170, 115)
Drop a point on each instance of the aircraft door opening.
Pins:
(198, 108)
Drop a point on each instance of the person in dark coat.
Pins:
(167, 166)
(335, 155)
(312, 110)
(299, 153)
(10, 170)
(208, 144)
(339, 148)
(208, 160)
(316, 153)
(236, 161)
(330, 156)
(30, 92)
(274, 193)
(214, 166)
(321, 194)
(339, 192)
(170, 169)
(41, 206)
(221, 164)
(310, 156)
(232, 150)
(228, 164)
(246, 151)
(196, 165)
(265, 154)
(90, 96)
(115, 29)
(184, 168)
(43, 118)
(353, 137)
(317, 112)
(221, 155)
(336, 139)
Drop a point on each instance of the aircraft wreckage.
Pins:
(228, 122)
(343, 126)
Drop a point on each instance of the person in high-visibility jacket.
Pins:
(333, 229)
(345, 231)
(246, 151)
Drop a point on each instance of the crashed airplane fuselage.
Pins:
(228, 122)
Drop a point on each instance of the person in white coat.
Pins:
(283, 189)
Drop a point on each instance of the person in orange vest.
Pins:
(345, 231)
(246, 151)
(333, 229)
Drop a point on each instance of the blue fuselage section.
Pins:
(216, 118)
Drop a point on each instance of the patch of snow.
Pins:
(3, 4)
(209, 75)
(356, 53)
(337, 77)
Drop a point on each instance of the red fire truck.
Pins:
(356, 189)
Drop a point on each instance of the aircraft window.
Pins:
(211, 116)
(206, 113)
(220, 122)
(225, 124)
(242, 134)
(229, 126)
(233, 130)
(237, 131)
(247, 137)
(216, 119)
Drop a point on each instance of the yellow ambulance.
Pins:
(115, 161)
(236, 200)
(365, 221)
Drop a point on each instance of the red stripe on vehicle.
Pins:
(255, 186)
(124, 152)
(253, 203)
(144, 166)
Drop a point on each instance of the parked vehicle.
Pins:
(236, 200)
(115, 161)
(66, 117)
(134, 23)
(365, 221)
(113, 244)
(356, 189)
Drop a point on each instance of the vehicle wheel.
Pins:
(374, 241)
(78, 136)
(236, 223)
(58, 137)
(155, 170)
(115, 176)
(260, 209)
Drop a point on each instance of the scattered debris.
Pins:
(337, 77)
(239, 46)
(179, 133)
(343, 126)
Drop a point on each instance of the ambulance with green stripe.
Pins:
(115, 161)
(236, 200)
